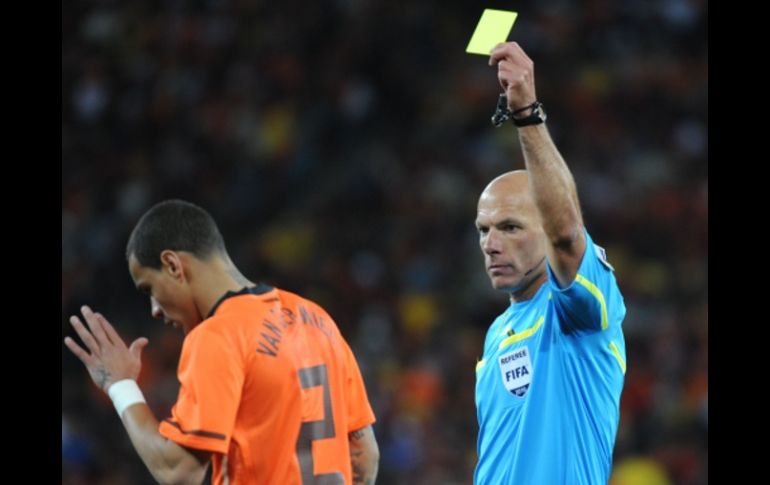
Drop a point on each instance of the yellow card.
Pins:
(493, 28)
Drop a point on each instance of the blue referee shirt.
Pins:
(549, 383)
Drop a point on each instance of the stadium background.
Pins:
(342, 146)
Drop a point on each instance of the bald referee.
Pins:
(549, 381)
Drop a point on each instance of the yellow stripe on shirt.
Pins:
(597, 293)
(522, 335)
(616, 352)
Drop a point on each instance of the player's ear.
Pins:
(172, 264)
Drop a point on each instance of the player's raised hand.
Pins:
(107, 360)
(516, 73)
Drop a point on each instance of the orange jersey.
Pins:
(269, 386)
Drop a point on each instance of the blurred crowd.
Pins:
(342, 147)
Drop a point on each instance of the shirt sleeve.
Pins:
(211, 377)
(592, 302)
(360, 412)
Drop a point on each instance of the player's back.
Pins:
(301, 395)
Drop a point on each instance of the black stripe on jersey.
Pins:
(196, 432)
(260, 289)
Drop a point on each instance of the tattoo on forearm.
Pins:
(102, 376)
(359, 470)
(363, 471)
(359, 473)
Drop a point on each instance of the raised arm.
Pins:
(364, 455)
(550, 180)
(108, 362)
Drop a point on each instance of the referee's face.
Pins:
(511, 235)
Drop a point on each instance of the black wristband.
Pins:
(537, 116)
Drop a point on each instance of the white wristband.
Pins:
(125, 393)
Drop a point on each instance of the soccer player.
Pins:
(549, 381)
(270, 391)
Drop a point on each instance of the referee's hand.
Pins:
(516, 73)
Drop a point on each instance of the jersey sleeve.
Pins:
(592, 302)
(211, 378)
(360, 412)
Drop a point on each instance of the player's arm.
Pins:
(364, 455)
(108, 361)
(550, 180)
(167, 461)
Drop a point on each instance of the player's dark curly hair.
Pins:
(176, 225)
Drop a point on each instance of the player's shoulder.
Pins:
(304, 304)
